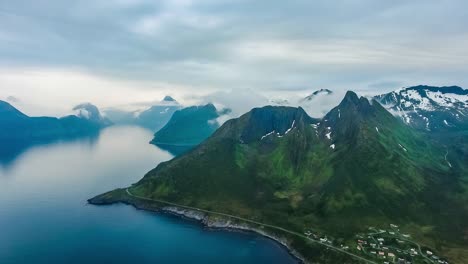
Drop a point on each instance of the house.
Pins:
(429, 253)
(381, 253)
(390, 254)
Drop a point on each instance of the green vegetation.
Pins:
(357, 167)
(188, 126)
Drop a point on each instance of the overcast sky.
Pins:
(56, 53)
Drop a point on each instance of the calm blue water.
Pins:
(44, 217)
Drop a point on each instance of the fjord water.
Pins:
(44, 217)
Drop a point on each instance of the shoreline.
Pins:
(228, 225)
(207, 222)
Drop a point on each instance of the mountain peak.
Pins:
(316, 93)
(168, 98)
(90, 112)
(353, 112)
(352, 100)
(350, 97)
(322, 91)
(87, 111)
(265, 121)
(6, 109)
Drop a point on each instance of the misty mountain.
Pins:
(188, 127)
(153, 118)
(315, 95)
(91, 112)
(19, 131)
(17, 125)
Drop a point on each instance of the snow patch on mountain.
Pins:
(267, 134)
(428, 108)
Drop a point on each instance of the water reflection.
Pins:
(10, 150)
(44, 217)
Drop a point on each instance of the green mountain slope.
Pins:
(188, 126)
(357, 167)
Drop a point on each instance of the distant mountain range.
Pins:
(358, 166)
(19, 131)
(153, 118)
(16, 125)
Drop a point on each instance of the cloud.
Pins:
(200, 46)
(55, 91)
(239, 101)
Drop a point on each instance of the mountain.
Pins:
(429, 108)
(189, 126)
(19, 131)
(153, 118)
(441, 113)
(168, 98)
(16, 125)
(315, 94)
(319, 102)
(8, 112)
(358, 166)
(91, 113)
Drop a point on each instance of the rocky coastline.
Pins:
(221, 223)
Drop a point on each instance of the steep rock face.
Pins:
(275, 121)
(429, 108)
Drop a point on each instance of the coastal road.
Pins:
(253, 222)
